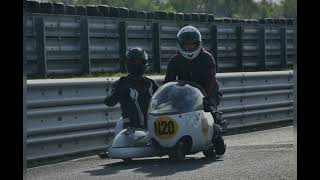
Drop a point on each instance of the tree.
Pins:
(289, 8)
(220, 8)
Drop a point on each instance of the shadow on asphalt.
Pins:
(154, 167)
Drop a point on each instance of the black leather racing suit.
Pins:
(133, 93)
(201, 70)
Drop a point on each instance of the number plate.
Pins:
(165, 127)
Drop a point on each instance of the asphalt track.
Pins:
(267, 154)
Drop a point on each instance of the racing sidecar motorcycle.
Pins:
(177, 126)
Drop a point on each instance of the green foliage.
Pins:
(220, 8)
(289, 8)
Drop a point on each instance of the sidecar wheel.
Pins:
(210, 153)
(179, 153)
(220, 145)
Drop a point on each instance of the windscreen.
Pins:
(176, 97)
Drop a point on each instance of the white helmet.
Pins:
(189, 35)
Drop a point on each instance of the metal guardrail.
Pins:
(67, 116)
(76, 44)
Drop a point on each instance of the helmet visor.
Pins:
(189, 46)
(137, 61)
(189, 41)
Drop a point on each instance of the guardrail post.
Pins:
(214, 45)
(262, 47)
(41, 46)
(85, 44)
(156, 60)
(239, 45)
(122, 44)
(283, 47)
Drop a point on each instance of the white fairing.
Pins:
(175, 111)
(130, 138)
(133, 143)
(188, 124)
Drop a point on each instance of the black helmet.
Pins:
(189, 35)
(136, 61)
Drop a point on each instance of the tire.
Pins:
(210, 153)
(290, 21)
(104, 10)
(268, 20)
(179, 16)
(171, 16)
(71, 10)
(124, 12)
(59, 8)
(33, 6)
(195, 17)
(114, 12)
(46, 7)
(179, 154)
(132, 13)
(220, 145)
(81, 10)
(141, 15)
(277, 21)
(161, 15)
(262, 21)
(92, 10)
(187, 17)
(150, 15)
(203, 17)
(282, 21)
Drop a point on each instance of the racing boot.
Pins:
(221, 123)
(218, 141)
